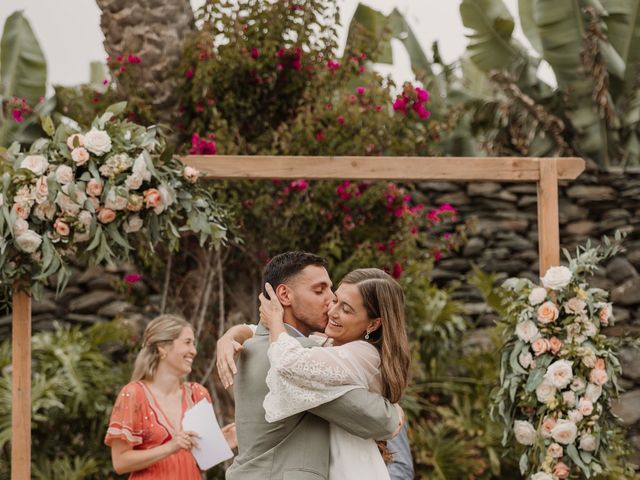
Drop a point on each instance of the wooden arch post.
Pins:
(545, 172)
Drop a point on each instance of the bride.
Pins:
(369, 349)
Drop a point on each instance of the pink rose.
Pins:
(547, 312)
(598, 376)
(547, 426)
(61, 228)
(152, 197)
(600, 363)
(106, 215)
(585, 407)
(22, 210)
(555, 450)
(94, 188)
(605, 313)
(539, 346)
(561, 470)
(575, 306)
(79, 155)
(555, 344)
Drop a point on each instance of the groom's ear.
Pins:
(283, 292)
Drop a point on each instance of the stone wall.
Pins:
(503, 239)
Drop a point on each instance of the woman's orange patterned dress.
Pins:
(138, 420)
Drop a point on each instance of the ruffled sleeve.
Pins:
(126, 421)
(303, 378)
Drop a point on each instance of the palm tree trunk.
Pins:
(154, 30)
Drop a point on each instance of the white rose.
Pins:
(574, 416)
(537, 295)
(569, 398)
(587, 442)
(134, 224)
(80, 156)
(545, 391)
(28, 241)
(557, 278)
(85, 217)
(64, 174)
(541, 476)
(20, 226)
(564, 432)
(66, 204)
(524, 432)
(36, 163)
(593, 392)
(115, 201)
(527, 331)
(127, 135)
(71, 143)
(525, 359)
(133, 181)
(559, 373)
(140, 167)
(97, 142)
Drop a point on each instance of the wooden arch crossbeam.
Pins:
(545, 172)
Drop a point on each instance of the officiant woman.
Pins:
(145, 431)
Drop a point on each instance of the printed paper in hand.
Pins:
(212, 447)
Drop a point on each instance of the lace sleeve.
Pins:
(303, 378)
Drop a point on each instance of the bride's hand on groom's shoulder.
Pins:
(271, 311)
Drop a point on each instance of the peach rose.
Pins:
(80, 156)
(604, 314)
(555, 344)
(547, 312)
(600, 363)
(152, 198)
(561, 470)
(575, 306)
(539, 346)
(42, 190)
(61, 228)
(598, 376)
(22, 210)
(94, 188)
(106, 215)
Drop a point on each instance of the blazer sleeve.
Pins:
(361, 413)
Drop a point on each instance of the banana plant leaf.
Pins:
(23, 68)
(623, 31)
(491, 45)
(528, 24)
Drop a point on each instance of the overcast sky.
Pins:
(69, 32)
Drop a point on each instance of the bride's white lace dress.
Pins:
(303, 378)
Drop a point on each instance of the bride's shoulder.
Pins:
(362, 347)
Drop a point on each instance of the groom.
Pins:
(297, 447)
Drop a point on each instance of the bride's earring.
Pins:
(366, 337)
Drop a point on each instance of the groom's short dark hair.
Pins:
(286, 265)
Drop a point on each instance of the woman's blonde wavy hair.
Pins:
(160, 332)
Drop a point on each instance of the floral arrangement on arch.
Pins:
(87, 194)
(559, 370)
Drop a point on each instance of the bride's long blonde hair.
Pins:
(160, 332)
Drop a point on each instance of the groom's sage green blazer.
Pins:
(296, 448)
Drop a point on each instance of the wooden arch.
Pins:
(545, 172)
